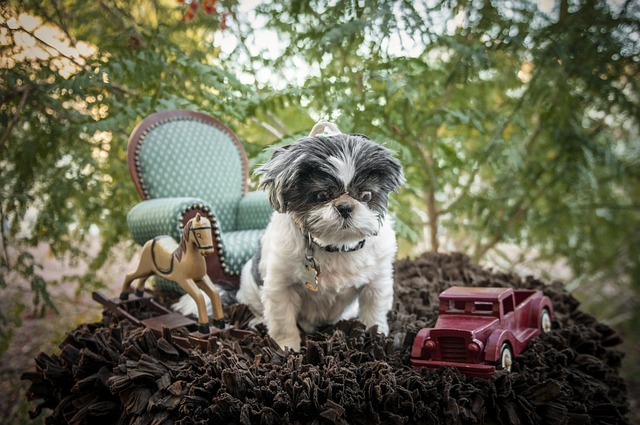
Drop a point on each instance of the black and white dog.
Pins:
(328, 251)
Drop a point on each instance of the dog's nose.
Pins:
(345, 209)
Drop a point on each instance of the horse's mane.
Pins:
(186, 232)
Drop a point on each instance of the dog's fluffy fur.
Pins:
(329, 194)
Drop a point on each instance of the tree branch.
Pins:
(3, 236)
(268, 127)
(521, 207)
(45, 42)
(15, 118)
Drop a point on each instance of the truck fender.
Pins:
(418, 342)
(494, 343)
(537, 305)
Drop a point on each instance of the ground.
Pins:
(37, 333)
(342, 371)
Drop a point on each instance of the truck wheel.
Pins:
(545, 321)
(506, 357)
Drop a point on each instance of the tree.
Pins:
(516, 125)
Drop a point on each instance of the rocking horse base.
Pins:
(165, 322)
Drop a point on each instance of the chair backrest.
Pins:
(189, 154)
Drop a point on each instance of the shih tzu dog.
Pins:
(328, 251)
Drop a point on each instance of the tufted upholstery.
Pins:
(185, 162)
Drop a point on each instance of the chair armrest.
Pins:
(254, 211)
(162, 216)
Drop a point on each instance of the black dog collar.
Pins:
(342, 248)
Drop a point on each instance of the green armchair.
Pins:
(183, 163)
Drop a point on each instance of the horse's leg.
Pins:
(142, 271)
(130, 277)
(124, 294)
(140, 286)
(216, 304)
(190, 288)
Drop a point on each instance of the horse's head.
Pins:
(200, 228)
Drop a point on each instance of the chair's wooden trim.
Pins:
(138, 133)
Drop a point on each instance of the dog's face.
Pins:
(334, 187)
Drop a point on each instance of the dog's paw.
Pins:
(383, 328)
(255, 322)
(290, 343)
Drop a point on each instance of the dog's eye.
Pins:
(322, 197)
(365, 196)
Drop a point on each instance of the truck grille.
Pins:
(453, 349)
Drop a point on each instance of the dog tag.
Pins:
(312, 273)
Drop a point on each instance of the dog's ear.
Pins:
(393, 175)
(275, 173)
(378, 164)
(360, 135)
(396, 174)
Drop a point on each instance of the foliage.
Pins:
(516, 126)
(74, 82)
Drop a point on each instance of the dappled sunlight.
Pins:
(31, 39)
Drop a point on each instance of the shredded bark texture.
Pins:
(112, 372)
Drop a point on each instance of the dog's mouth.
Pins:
(347, 224)
(343, 232)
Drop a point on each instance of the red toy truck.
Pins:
(481, 329)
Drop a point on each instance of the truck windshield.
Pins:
(456, 306)
(483, 307)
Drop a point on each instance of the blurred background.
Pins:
(517, 123)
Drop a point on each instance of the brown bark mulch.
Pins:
(112, 372)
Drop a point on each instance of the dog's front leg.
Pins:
(375, 301)
(281, 307)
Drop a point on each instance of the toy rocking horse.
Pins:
(185, 265)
